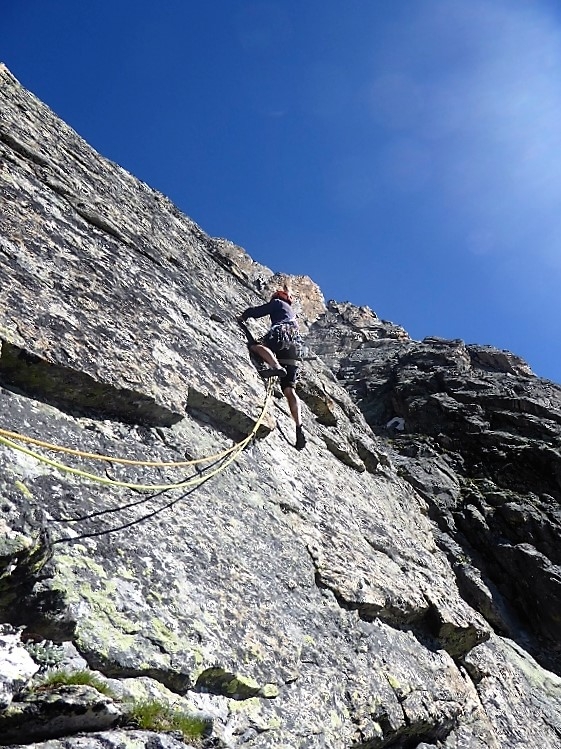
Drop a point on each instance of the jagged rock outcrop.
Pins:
(478, 436)
(310, 599)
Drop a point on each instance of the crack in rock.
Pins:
(219, 681)
(76, 392)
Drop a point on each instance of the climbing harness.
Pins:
(290, 345)
(285, 341)
(281, 337)
(284, 335)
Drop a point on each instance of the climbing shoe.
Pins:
(266, 374)
(300, 438)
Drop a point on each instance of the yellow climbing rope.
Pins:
(109, 458)
(7, 437)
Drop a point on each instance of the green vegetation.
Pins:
(157, 716)
(63, 677)
(147, 714)
(46, 653)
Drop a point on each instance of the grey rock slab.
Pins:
(117, 739)
(168, 349)
(16, 666)
(228, 578)
(521, 699)
(57, 712)
(477, 435)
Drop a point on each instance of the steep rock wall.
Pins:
(478, 435)
(292, 599)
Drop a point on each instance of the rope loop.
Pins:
(229, 455)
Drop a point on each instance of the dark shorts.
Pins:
(291, 376)
(291, 369)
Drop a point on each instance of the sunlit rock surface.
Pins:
(394, 584)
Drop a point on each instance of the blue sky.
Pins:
(405, 154)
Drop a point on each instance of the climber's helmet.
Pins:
(283, 295)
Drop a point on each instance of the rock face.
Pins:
(395, 584)
(478, 436)
(16, 667)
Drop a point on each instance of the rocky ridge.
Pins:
(394, 585)
(477, 435)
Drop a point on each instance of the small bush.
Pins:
(149, 715)
(46, 654)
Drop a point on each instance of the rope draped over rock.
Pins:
(110, 458)
(7, 438)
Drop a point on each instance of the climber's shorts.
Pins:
(291, 376)
(276, 344)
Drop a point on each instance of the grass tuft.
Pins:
(63, 677)
(157, 716)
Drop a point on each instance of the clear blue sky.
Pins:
(405, 154)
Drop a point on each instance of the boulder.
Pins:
(16, 666)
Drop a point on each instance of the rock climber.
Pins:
(279, 348)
